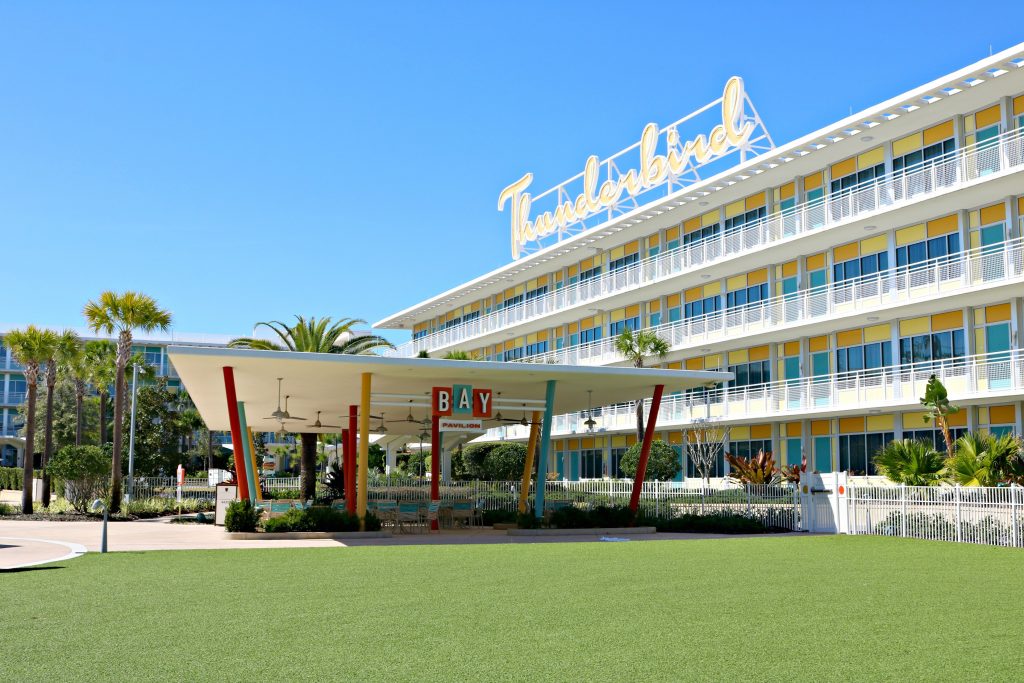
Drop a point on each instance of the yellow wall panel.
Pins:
(845, 252)
(694, 363)
(672, 300)
(979, 341)
(674, 365)
(618, 315)
(938, 133)
(914, 326)
(913, 419)
(759, 352)
(694, 294)
(794, 428)
(914, 233)
(632, 311)
(986, 117)
(672, 233)
(653, 306)
(821, 427)
(755, 201)
(1018, 105)
(871, 158)
(587, 442)
(877, 333)
(617, 252)
(873, 245)
(789, 269)
(1020, 206)
(762, 431)
(756, 277)
(787, 190)
(542, 335)
(738, 356)
(947, 321)
(907, 144)
(691, 225)
(997, 313)
(675, 437)
(734, 209)
(815, 262)
(710, 218)
(849, 338)
(791, 348)
(739, 433)
(942, 226)
(632, 248)
(813, 181)
(880, 423)
(713, 288)
(1001, 415)
(993, 214)
(815, 344)
(957, 419)
(713, 361)
(736, 282)
(851, 425)
(844, 168)
(574, 328)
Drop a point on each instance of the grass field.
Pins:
(773, 608)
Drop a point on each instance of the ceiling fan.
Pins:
(317, 425)
(408, 418)
(590, 422)
(282, 415)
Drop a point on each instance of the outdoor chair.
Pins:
(338, 504)
(279, 507)
(464, 512)
(433, 514)
(408, 516)
(387, 512)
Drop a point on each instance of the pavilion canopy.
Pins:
(330, 383)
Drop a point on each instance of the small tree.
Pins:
(663, 464)
(936, 401)
(756, 471)
(634, 347)
(704, 443)
(85, 471)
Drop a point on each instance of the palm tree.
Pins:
(982, 459)
(101, 361)
(938, 408)
(123, 313)
(313, 336)
(75, 364)
(914, 463)
(31, 347)
(634, 347)
(66, 344)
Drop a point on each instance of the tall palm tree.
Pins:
(101, 361)
(31, 347)
(66, 345)
(75, 364)
(123, 313)
(635, 347)
(914, 463)
(313, 336)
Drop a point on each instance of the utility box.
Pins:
(225, 494)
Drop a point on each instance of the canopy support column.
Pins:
(545, 445)
(255, 465)
(364, 449)
(350, 464)
(250, 480)
(645, 449)
(236, 433)
(531, 447)
(435, 464)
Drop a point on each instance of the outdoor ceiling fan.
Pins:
(282, 415)
(408, 418)
(318, 425)
(590, 422)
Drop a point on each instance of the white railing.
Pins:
(938, 175)
(986, 515)
(939, 277)
(967, 377)
(167, 487)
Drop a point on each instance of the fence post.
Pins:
(959, 534)
(1013, 515)
(903, 510)
(747, 487)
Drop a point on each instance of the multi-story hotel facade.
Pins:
(830, 276)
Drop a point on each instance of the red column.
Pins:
(343, 461)
(236, 433)
(350, 463)
(645, 449)
(435, 463)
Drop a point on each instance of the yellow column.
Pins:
(531, 447)
(255, 465)
(364, 448)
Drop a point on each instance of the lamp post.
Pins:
(131, 435)
(98, 505)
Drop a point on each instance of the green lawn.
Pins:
(770, 608)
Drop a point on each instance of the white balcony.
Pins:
(944, 174)
(987, 376)
(939, 278)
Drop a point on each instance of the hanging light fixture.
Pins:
(523, 421)
(590, 422)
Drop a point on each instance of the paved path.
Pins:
(40, 540)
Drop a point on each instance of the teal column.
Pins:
(545, 446)
(249, 474)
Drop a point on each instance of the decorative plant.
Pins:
(634, 347)
(704, 443)
(756, 471)
(936, 401)
(914, 463)
(983, 459)
(335, 481)
(663, 464)
(792, 473)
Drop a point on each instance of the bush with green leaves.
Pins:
(663, 464)
(241, 517)
(600, 517)
(914, 463)
(85, 471)
(492, 517)
(11, 478)
(321, 519)
(492, 462)
(144, 508)
(6, 509)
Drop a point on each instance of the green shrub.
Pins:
(321, 519)
(144, 508)
(602, 516)
(710, 524)
(11, 478)
(85, 471)
(663, 464)
(6, 509)
(241, 516)
(492, 517)
(527, 520)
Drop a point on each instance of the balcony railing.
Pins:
(944, 173)
(939, 277)
(15, 398)
(890, 387)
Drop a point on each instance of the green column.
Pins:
(545, 446)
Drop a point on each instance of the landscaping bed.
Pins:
(594, 531)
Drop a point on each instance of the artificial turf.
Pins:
(770, 608)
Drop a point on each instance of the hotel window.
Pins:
(591, 335)
(534, 293)
(936, 247)
(857, 451)
(908, 162)
(472, 315)
(737, 222)
(616, 462)
(749, 448)
(865, 265)
(536, 348)
(514, 354)
(705, 306)
(452, 323)
(616, 328)
(864, 357)
(750, 374)
(591, 463)
(590, 273)
(717, 469)
(933, 437)
(512, 301)
(748, 295)
(623, 262)
(849, 183)
(701, 234)
(937, 346)
(16, 388)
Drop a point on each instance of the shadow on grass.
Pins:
(18, 570)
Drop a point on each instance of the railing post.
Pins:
(903, 510)
(959, 534)
(1014, 541)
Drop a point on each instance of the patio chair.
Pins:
(433, 514)
(338, 504)
(387, 512)
(279, 507)
(464, 512)
(408, 516)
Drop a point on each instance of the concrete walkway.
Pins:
(37, 539)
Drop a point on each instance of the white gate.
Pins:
(823, 502)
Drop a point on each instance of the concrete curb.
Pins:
(304, 535)
(75, 550)
(633, 530)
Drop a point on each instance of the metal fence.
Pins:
(197, 488)
(985, 515)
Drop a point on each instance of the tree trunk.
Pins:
(307, 467)
(30, 439)
(115, 464)
(209, 450)
(79, 412)
(640, 421)
(944, 426)
(103, 417)
(51, 381)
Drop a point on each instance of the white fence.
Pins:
(197, 488)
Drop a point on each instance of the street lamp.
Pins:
(131, 435)
(98, 505)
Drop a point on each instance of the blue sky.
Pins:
(252, 160)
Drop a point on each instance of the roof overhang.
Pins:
(330, 383)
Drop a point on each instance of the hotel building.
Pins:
(831, 276)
